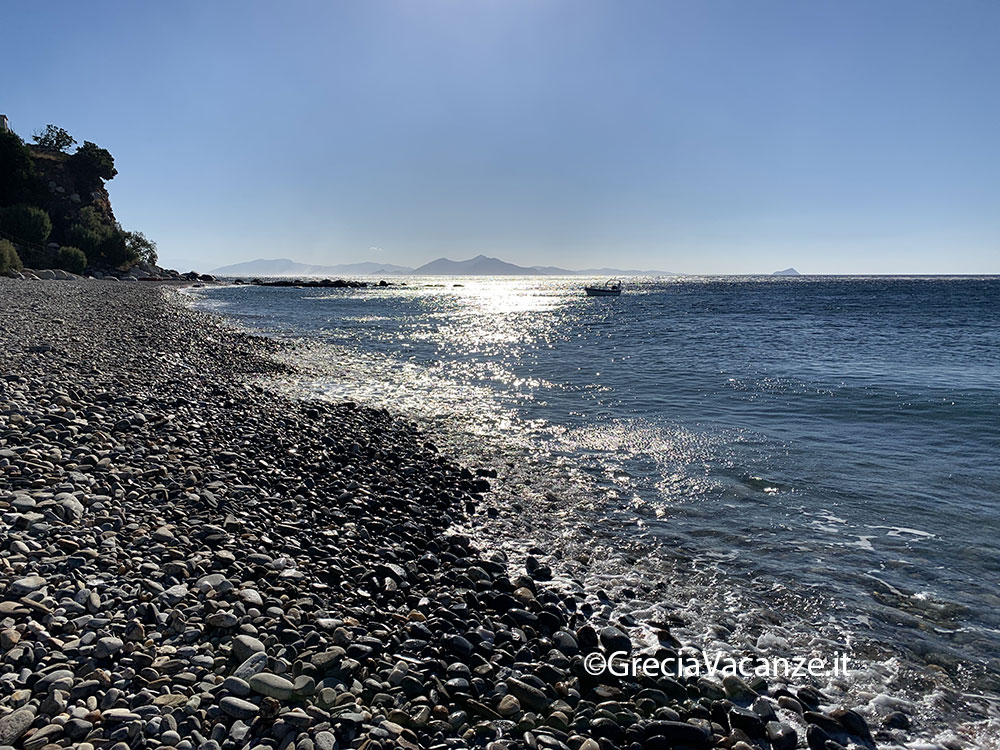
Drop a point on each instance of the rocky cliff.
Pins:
(65, 192)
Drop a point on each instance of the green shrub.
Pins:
(28, 223)
(91, 218)
(90, 232)
(87, 239)
(9, 259)
(106, 243)
(71, 259)
(91, 161)
(115, 251)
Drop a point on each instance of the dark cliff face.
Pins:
(64, 193)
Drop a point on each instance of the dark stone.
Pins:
(529, 696)
(897, 720)
(781, 736)
(746, 720)
(816, 738)
(679, 733)
(613, 639)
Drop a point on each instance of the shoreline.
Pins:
(170, 521)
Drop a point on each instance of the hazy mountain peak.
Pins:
(481, 265)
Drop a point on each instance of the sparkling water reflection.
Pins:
(820, 448)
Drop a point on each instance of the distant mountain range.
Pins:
(481, 265)
(787, 272)
(286, 267)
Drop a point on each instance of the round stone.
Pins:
(236, 686)
(272, 685)
(253, 664)
(244, 646)
(107, 646)
(222, 620)
(238, 708)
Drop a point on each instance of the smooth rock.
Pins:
(236, 686)
(613, 640)
(238, 708)
(107, 646)
(244, 646)
(27, 585)
(271, 685)
(13, 725)
(254, 664)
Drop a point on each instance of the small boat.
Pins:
(611, 288)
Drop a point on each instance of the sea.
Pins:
(784, 465)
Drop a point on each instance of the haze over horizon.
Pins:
(699, 137)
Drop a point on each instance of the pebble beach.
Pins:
(190, 561)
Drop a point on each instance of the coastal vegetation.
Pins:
(55, 209)
(9, 260)
(26, 222)
(71, 259)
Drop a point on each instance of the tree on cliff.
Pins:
(92, 162)
(54, 138)
(141, 247)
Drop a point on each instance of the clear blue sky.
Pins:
(698, 136)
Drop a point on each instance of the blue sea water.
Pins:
(812, 455)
